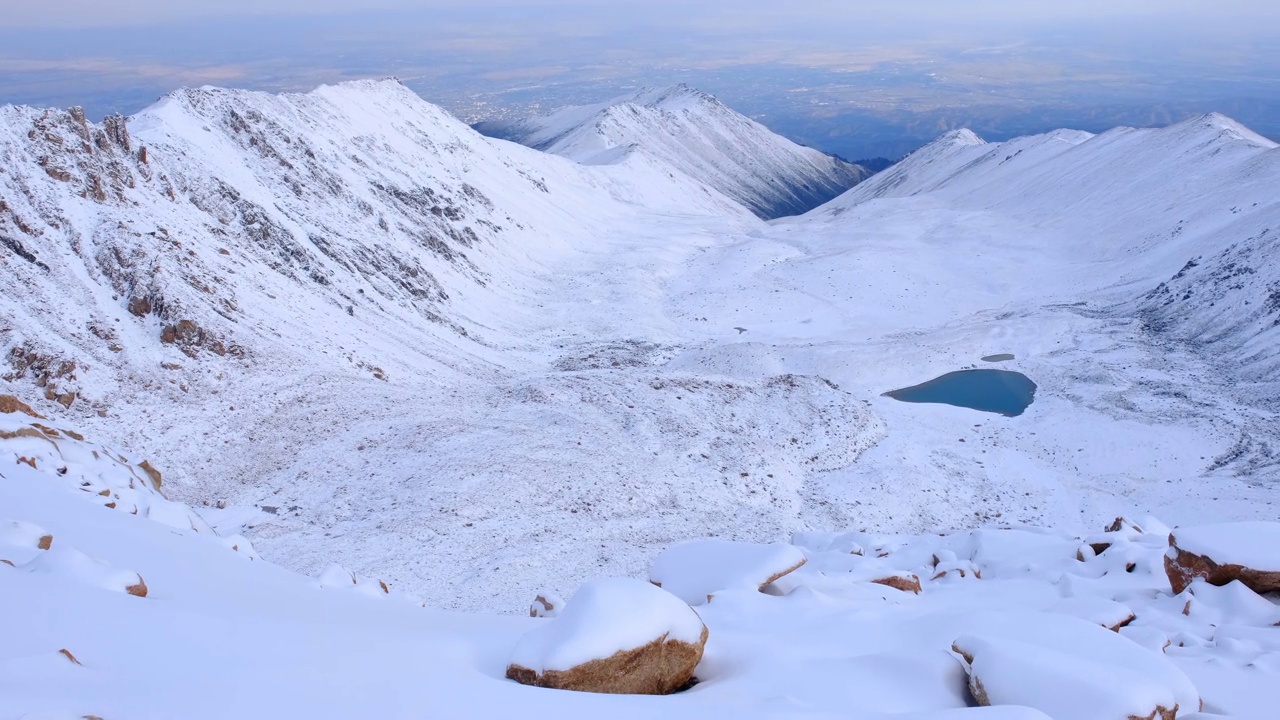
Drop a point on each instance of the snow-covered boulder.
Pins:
(614, 635)
(1106, 613)
(98, 473)
(336, 577)
(695, 570)
(904, 581)
(24, 535)
(1244, 551)
(1073, 670)
(547, 604)
(71, 564)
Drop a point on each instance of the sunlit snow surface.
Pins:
(224, 634)
(643, 363)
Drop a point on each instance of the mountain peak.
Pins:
(679, 94)
(962, 137)
(680, 128)
(1221, 126)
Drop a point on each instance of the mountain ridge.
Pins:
(690, 131)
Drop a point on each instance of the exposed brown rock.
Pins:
(10, 404)
(776, 576)
(69, 656)
(1186, 567)
(1122, 623)
(1121, 523)
(45, 542)
(905, 583)
(659, 668)
(190, 338)
(976, 689)
(57, 173)
(140, 306)
(543, 607)
(7, 562)
(117, 131)
(138, 589)
(1160, 713)
(29, 461)
(154, 474)
(23, 432)
(48, 431)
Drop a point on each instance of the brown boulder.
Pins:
(906, 582)
(659, 668)
(545, 605)
(152, 472)
(596, 643)
(10, 404)
(1184, 566)
(140, 306)
(138, 589)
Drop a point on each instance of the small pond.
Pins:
(995, 391)
(1002, 357)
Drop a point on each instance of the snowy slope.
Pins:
(223, 633)
(1189, 209)
(614, 359)
(350, 310)
(685, 130)
(243, 211)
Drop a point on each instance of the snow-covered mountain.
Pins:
(356, 265)
(686, 130)
(247, 224)
(1185, 217)
(342, 327)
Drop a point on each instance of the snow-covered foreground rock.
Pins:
(617, 635)
(687, 131)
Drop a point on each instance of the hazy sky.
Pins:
(857, 78)
(1248, 15)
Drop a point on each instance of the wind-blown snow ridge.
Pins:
(685, 130)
